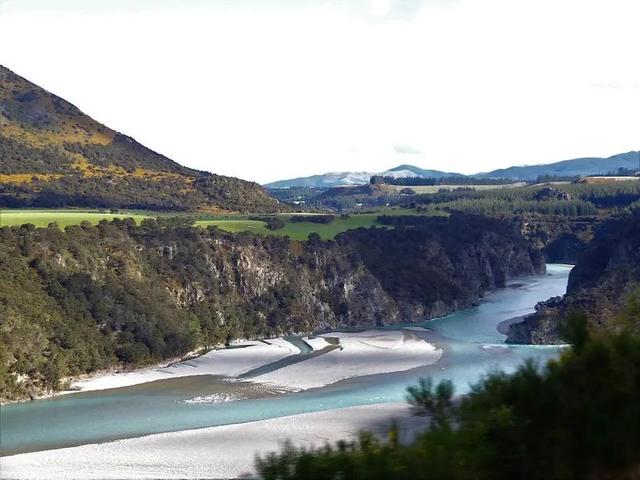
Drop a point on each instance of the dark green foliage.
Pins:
(434, 403)
(322, 219)
(275, 223)
(347, 198)
(457, 180)
(126, 153)
(14, 155)
(576, 418)
(130, 192)
(580, 198)
(411, 264)
(569, 208)
(585, 199)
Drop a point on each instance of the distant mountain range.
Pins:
(569, 168)
(343, 179)
(53, 155)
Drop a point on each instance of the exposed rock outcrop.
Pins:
(561, 239)
(551, 193)
(599, 285)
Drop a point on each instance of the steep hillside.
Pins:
(606, 276)
(88, 297)
(570, 168)
(53, 155)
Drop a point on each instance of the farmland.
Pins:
(42, 218)
(234, 224)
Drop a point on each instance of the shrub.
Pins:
(322, 219)
(274, 223)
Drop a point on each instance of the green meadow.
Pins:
(296, 231)
(234, 224)
(65, 217)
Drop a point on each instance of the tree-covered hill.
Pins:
(570, 168)
(53, 155)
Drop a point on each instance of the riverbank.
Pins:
(469, 340)
(363, 353)
(217, 452)
(503, 326)
(242, 357)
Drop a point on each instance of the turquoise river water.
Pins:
(472, 346)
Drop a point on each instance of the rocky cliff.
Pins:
(89, 297)
(605, 277)
(562, 239)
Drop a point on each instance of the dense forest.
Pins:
(457, 180)
(53, 155)
(575, 418)
(568, 199)
(94, 297)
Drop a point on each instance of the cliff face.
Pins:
(562, 239)
(90, 297)
(444, 265)
(600, 285)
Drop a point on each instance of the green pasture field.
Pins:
(301, 230)
(295, 231)
(229, 223)
(63, 217)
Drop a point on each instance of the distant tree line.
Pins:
(321, 219)
(455, 180)
(581, 199)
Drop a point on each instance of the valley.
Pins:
(468, 342)
(158, 321)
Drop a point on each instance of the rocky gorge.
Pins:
(90, 297)
(603, 285)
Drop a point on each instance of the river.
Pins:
(471, 343)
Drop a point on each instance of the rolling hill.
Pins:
(569, 168)
(566, 168)
(326, 180)
(53, 155)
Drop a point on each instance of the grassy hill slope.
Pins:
(53, 155)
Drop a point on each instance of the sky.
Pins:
(272, 89)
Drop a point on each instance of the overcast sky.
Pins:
(272, 89)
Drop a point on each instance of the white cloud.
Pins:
(268, 93)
